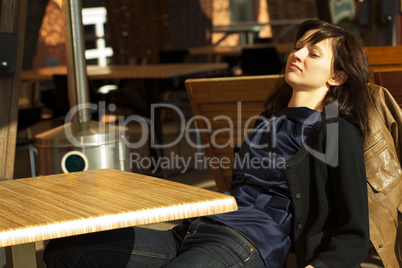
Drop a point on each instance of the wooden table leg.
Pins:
(21, 256)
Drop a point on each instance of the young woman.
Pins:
(299, 179)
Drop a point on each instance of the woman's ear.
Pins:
(338, 79)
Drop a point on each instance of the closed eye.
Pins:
(314, 55)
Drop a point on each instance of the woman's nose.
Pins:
(299, 54)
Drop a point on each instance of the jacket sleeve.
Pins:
(347, 243)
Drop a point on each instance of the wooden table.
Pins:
(151, 71)
(247, 28)
(237, 50)
(245, 31)
(42, 208)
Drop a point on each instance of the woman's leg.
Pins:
(207, 244)
(128, 247)
(211, 244)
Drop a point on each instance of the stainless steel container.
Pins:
(84, 146)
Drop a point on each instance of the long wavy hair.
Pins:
(349, 57)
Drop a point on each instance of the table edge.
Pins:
(116, 221)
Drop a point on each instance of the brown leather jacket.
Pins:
(382, 155)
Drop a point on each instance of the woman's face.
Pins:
(309, 66)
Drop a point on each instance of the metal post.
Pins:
(76, 65)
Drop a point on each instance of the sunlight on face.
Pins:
(309, 66)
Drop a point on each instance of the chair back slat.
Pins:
(384, 55)
(225, 110)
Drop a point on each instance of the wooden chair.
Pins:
(391, 79)
(225, 111)
(383, 57)
(221, 102)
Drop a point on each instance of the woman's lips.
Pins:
(295, 67)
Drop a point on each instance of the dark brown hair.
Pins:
(350, 58)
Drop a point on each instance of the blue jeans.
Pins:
(206, 244)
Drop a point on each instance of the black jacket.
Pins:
(327, 180)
